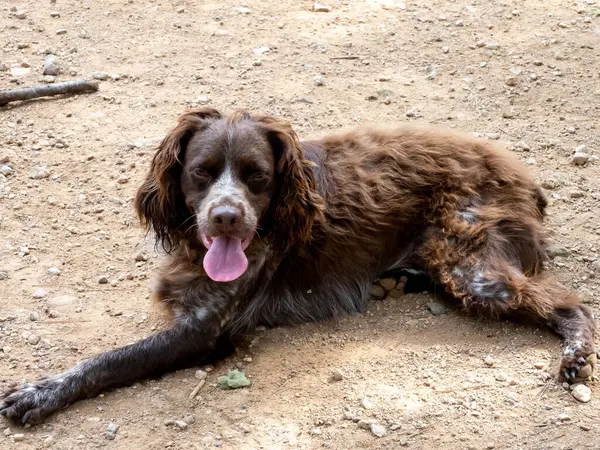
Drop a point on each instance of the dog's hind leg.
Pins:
(501, 275)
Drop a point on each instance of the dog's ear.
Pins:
(296, 205)
(159, 201)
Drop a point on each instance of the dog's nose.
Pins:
(226, 218)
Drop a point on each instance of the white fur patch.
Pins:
(201, 313)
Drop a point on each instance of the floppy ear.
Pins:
(297, 205)
(159, 201)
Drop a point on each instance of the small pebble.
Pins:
(366, 403)
(61, 31)
(436, 308)
(336, 375)
(579, 158)
(34, 316)
(319, 80)
(181, 424)
(111, 431)
(5, 169)
(102, 76)
(366, 424)
(378, 430)
(539, 365)
(54, 271)
(203, 99)
(39, 293)
(200, 374)
(564, 417)
(39, 173)
(19, 437)
(33, 339)
(558, 250)
(581, 393)
(103, 280)
(51, 65)
(489, 360)
(576, 194)
(141, 257)
(317, 7)
(261, 50)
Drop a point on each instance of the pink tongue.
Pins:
(225, 259)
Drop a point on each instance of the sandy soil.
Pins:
(522, 71)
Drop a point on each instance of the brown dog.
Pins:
(264, 229)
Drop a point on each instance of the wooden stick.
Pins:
(67, 87)
(50, 322)
(345, 57)
(468, 388)
(197, 389)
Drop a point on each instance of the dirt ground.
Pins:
(525, 72)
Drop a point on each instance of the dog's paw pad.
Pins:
(32, 402)
(577, 367)
(388, 287)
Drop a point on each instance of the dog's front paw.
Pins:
(33, 402)
(577, 366)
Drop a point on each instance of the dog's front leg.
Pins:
(191, 336)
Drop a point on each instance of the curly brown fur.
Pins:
(317, 222)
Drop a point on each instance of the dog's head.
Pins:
(223, 181)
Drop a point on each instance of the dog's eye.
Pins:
(201, 175)
(257, 176)
(257, 181)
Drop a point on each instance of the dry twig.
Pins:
(197, 389)
(68, 87)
